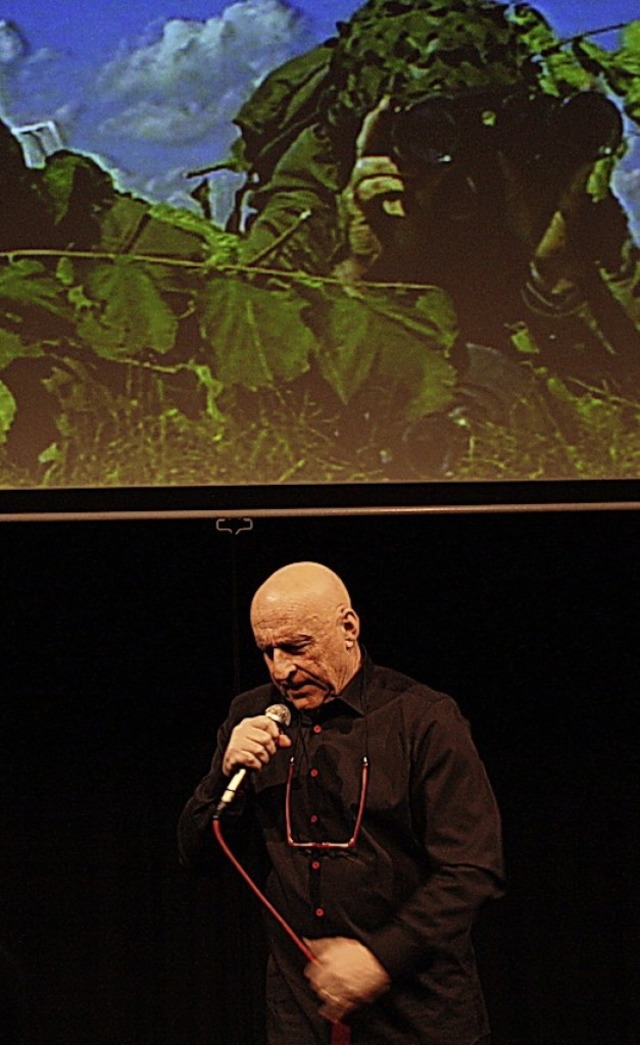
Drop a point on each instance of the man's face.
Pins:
(310, 653)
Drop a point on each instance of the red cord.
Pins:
(300, 944)
(340, 1032)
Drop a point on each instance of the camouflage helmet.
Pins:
(409, 49)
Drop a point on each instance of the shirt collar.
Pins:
(353, 695)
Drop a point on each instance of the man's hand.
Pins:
(252, 743)
(344, 975)
(375, 188)
(555, 265)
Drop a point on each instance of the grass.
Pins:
(139, 434)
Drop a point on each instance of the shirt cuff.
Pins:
(396, 948)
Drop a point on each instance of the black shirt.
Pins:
(427, 855)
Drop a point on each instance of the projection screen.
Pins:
(351, 252)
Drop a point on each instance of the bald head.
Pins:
(302, 584)
(304, 624)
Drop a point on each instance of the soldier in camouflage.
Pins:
(452, 142)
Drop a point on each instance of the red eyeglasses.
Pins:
(364, 783)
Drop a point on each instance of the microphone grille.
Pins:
(280, 714)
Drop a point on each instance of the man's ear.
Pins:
(350, 626)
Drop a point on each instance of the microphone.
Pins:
(281, 715)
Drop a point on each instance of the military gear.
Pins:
(410, 50)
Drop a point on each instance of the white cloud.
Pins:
(194, 77)
(160, 122)
(12, 44)
(626, 183)
(165, 100)
(46, 85)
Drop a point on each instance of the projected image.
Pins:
(258, 242)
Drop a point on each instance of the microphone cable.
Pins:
(340, 1032)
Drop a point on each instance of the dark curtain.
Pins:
(123, 644)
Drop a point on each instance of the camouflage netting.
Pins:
(408, 50)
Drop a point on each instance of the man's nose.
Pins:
(283, 666)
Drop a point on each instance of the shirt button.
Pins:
(317, 728)
(313, 818)
(315, 865)
(314, 772)
(319, 912)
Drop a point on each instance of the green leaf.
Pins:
(51, 454)
(131, 316)
(436, 314)
(524, 341)
(360, 330)
(620, 69)
(64, 271)
(7, 411)
(76, 186)
(214, 389)
(415, 358)
(425, 373)
(13, 347)
(257, 336)
(348, 352)
(535, 32)
(557, 67)
(27, 281)
(402, 344)
(565, 72)
(222, 247)
(79, 299)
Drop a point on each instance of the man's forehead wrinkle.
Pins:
(273, 637)
(288, 620)
(294, 609)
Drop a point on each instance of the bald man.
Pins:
(380, 827)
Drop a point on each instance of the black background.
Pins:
(123, 644)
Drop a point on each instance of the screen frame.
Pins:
(237, 502)
(355, 497)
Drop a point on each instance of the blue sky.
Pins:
(93, 28)
(151, 86)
